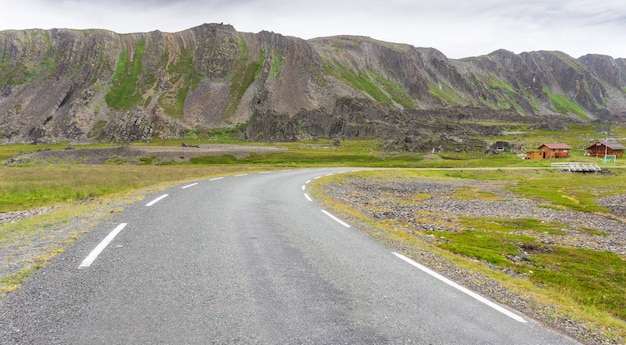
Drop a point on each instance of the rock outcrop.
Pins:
(97, 85)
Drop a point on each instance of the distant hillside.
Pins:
(97, 85)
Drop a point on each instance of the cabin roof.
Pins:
(610, 144)
(557, 146)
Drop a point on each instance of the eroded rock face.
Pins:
(92, 85)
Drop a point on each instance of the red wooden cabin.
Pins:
(609, 148)
(547, 151)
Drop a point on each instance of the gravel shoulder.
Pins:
(50, 231)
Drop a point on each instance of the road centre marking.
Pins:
(461, 288)
(100, 247)
(156, 200)
(189, 185)
(336, 219)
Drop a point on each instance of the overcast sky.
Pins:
(458, 28)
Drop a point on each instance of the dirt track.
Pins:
(133, 154)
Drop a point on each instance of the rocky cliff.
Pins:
(96, 85)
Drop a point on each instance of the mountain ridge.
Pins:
(97, 85)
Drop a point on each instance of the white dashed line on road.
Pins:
(156, 200)
(462, 289)
(336, 219)
(100, 247)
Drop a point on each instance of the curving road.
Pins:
(247, 259)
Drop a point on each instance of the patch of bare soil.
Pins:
(134, 154)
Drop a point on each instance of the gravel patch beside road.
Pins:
(380, 201)
(54, 235)
(430, 205)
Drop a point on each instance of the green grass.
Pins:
(586, 279)
(491, 247)
(65, 185)
(513, 225)
(495, 83)
(277, 64)
(124, 93)
(591, 278)
(507, 97)
(578, 193)
(186, 77)
(473, 193)
(12, 150)
(13, 281)
(292, 159)
(396, 91)
(359, 80)
(584, 284)
(550, 188)
(578, 136)
(37, 186)
(566, 105)
(445, 94)
(245, 73)
(587, 284)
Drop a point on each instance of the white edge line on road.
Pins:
(318, 177)
(241, 175)
(156, 200)
(303, 187)
(216, 178)
(307, 197)
(96, 251)
(189, 185)
(307, 182)
(336, 219)
(462, 289)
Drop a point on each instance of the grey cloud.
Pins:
(458, 28)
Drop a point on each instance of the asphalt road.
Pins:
(247, 260)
